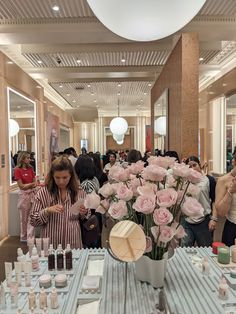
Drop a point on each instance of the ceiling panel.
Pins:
(219, 7)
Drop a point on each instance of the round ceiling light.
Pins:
(160, 125)
(145, 20)
(118, 126)
(118, 137)
(13, 127)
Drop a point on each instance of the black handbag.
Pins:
(90, 230)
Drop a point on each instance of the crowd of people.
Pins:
(72, 177)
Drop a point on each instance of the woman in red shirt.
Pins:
(25, 177)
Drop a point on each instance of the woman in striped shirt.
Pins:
(52, 203)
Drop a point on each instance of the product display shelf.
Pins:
(188, 290)
(63, 293)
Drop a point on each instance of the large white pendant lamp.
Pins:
(13, 127)
(160, 126)
(145, 20)
(118, 125)
(118, 137)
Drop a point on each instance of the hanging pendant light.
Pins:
(145, 20)
(118, 125)
(13, 127)
(160, 125)
(118, 137)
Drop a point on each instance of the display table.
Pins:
(186, 289)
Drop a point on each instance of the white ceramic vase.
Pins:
(151, 271)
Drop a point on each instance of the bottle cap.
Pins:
(34, 251)
(19, 251)
(68, 246)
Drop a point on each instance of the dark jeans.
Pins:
(198, 233)
(229, 233)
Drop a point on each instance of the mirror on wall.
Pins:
(230, 129)
(64, 138)
(22, 129)
(161, 122)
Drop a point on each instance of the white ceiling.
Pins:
(78, 61)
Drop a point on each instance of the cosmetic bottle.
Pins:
(2, 297)
(32, 299)
(8, 273)
(30, 244)
(205, 266)
(223, 289)
(45, 246)
(27, 270)
(51, 258)
(68, 257)
(38, 242)
(54, 299)
(18, 268)
(42, 299)
(35, 259)
(60, 258)
(20, 256)
(14, 294)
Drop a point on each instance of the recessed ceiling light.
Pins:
(141, 100)
(38, 86)
(211, 93)
(92, 94)
(40, 61)
(9, 62)
(50, 106)
(55, 7)
(224, 84)
(44, 102)
(18, 107)
(123, 60)
(89, 85)
(149, 85)
(68, 94)
(118, 94)
(145, 94)
(201, 59)
(60, 86)
(73, 100)
(95, 100)
(119, 85)
(78, 61)
(28, 110)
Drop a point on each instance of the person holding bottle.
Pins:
(51, 208)
(25, 177)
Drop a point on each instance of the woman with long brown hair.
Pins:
(51, 208)
(25, 178)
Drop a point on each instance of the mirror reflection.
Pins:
(160, 123)
(22, 130)
(230, 131)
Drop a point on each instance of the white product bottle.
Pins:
(35, 259)
(54, 299)
(223, 289)
(32, 299)
(42, 299)
(21, 257)
(205, 266)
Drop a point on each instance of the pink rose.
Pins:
(118, 173)
(148, 245)
(123, 192)
(92, 200)
(180, 170)
(147, 190)
(162, 216)
(137, 167)
(180, 232)
(192, 208)
(164, 162)
(154, 173)
(167, 197)
(103, 207)
(193, 189)
(170, 181)
(144, 204)
(194, 176)
(134, 184)
(166, 234)
(118, 210)
(106, 190)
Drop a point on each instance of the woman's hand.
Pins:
(56, 209)
(212, 225)
(82, 210)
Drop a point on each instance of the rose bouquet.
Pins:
(156, 197)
